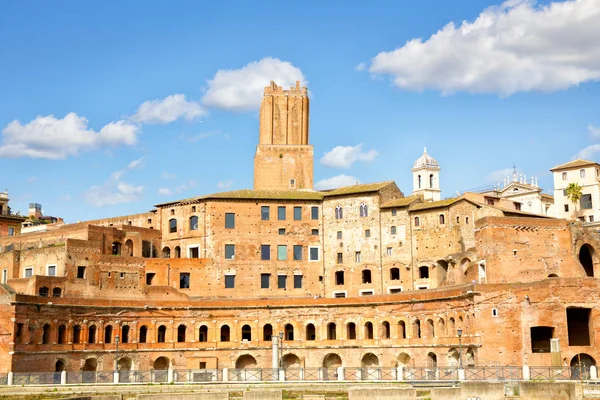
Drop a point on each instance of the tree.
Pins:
(574, 194)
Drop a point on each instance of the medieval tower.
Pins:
(284, 159)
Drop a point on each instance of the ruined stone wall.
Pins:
(188, 234)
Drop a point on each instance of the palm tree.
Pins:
(574, 194)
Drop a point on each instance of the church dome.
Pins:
(425, 161)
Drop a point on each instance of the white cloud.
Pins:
(335, 182)
(242, 89)
(588, 152)
(169, 109)
(54, 139)
(165, 191)
(499, 175)
(225, 184)
(179, 189)
(115, 190)
(361, 66)
(345, 156)
(516, 47)
(594, 131)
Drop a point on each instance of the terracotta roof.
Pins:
(573, 164)
(353, 189)
(439, 204)
(547, 196)
(403, 202)
(254, 195)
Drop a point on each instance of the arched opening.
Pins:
(143, 334)
(431, 360)
(401, 330)
(311, 332)
(364, 210)
(267, 332)
(416, 329)
(125, 364)
(77, 334)
(369, 360)
(125, 334)
(441, 328)
(580, 366)
(56, 292)
(453, 357)
(586, 259)
(90, 365)
(351, 331)
(161, 363)
(59, 366)
(331, 331)
(290, 361)
(246, 333)
(92, 334)
(129, 248)
(62, 334)
(442, 219)
(173, 225)
(289, 332)
(181, 329)
(245, 361)
(166, 252)
(339, 212)
(177, 252)
(43, 292)
(385, 330)
(470, 357)
(403, 360)
(552, 276)
(203, 334)
(193, 223)
(464, 265)
(225, 333)
(108, 330)
(417, 221)
(419, 181)
(46, 334)
(431, 181)
(442, 272)
(369, 330)
(430, 328)
(115, 249)
(451, 327)
(161, 334)
(331, 361)
(394, 274)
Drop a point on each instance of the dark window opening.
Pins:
(340, 258)
(267, 332)
(80, 272)
(125, 334)
(43, 291)
(417, 221)
(172, 225)
(203, 334)
(314, 213)
(184, 280)
(229, 281)
(311, 332)
(149, 277)
(585, 258)
(161, 334)
(578, 326)
(62, 334)
(289, 332)
(339, 277)
(193, 223)
(540, 338)
(92, 334)
(385, 328)
(229, 220)
(586, 202)
(265, 212)
(297, 253)
(314, 232)
(297, 281)
(331, 331)
(351, 331)
(366, 276)
(225, 333)
(108, 330)
(56, 292)
(181, 329)
(265, 252)
(423, 272)
(246, 333)
(281, 281)
(230, 251)
(281, 213)
(194, 252)
(395, 274)
(297, 213)
(143, 334)
(265, 281)
(369, 330)
(76, 334)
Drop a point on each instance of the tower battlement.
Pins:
(297, 90)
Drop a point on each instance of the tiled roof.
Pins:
(438, 204)
(353, 189)
(573, 164)
(399, 203)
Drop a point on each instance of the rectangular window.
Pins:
(339, 295)
(339, 234)
(265, 212)
(395, 290)
(265, 281)
(340, 258)
(565, 192)
(229, 220)
(4, 275)
(194, 252)
(368, 233)
(229, 281)
(366, 293)
(540, 338)
(11, 231)
(28, 272)
(297, 253)
(582, 173)
(566, 208)
(80, 272)
(282, 252)
(230, 251)
(149, 278)
(357, 256)
(586, 201)
(578, 326)
(184, 280)
(297, 213)
(394, 212)
(517, 206)
(564, 176)
(281, 213)
(389, 251)
(489, 201)
(282, 231)
(313, 254)
(193, 209)
(297, 281)
(51, 270)
(265, 252)
(281, 281)
(591, 217)
(314, 232)
(339, 277)
(314, 213)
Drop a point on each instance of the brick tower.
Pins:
(283, 159)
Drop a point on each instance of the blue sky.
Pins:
(107, 108)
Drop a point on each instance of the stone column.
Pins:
(275, 355)
(555, 352)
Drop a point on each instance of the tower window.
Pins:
(364, 210)
(339, 212)
(292, 184)
(431, 181)
(442, 219)
(419, 181)
(417, 221)
(394, 212)
(393, 230)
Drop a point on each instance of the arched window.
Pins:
(289, 332)
(417, 221)
(431, 181)
(419, 181)
(401, 330)
(393, 230)
(267, 332)
(203, 334)
(44, 291)
(143, 334)
(92, 334)
(225, 333)
(181, 329)
(161, 334)
(46, 334)
(369, 330)
(62, 334)
(366, 276)
(351, 331)
(310, 332)
(331, 331)
(385, 330)
(364, 210)
(246, 333)
(177, 252)
(193, 223)
(77, 334)
(125, 334)
(417, 329)
(442, 219)
(166, 252)
(172, 225)
(108, 333)
(466, 220)
(339, 213)
(56, 292)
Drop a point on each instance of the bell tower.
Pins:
(426, 177)
(283, 158)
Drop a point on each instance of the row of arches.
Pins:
(44, 291)
(363, 211)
